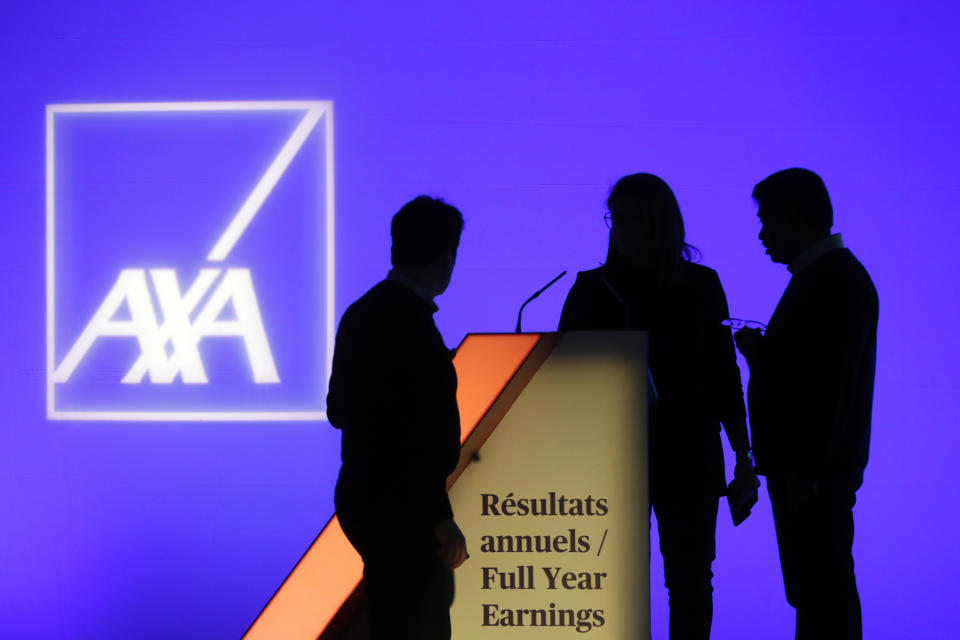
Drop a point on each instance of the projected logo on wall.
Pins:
(189, 260)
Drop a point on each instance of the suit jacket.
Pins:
(393, 394)
(691, 357)
(811, 387)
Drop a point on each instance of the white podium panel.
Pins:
(555, 510)
(550, 491)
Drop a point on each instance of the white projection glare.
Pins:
(168, 333)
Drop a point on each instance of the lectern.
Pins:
(551, 493)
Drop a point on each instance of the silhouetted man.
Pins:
(810, 398)
(393, 394)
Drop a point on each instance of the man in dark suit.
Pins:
(810, 398)
(393, 394)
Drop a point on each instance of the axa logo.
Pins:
(242, 331)
(235, 286)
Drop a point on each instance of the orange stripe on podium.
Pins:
(485, 363)
(330, 570)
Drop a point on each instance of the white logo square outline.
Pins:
(319, 109)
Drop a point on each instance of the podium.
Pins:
(550, 492)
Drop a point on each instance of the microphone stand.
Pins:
(534, 297)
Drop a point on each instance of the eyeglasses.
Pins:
(620, 219)
(736, 324)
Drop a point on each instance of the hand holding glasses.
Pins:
(736, 324)
(748, 336)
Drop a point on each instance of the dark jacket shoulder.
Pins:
(840, 269)
(600, 300)
(690, 274)
(387, 295)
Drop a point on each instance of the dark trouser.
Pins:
(686, 480)
(816, 556)
(409, 589)
(408, 597)
(687, 525)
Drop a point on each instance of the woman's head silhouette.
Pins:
(646, 228)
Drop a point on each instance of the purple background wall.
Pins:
(523, 115)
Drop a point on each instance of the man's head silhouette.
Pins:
(425, 234)
(795, 212)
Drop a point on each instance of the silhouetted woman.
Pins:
(649, 283)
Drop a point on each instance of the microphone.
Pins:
(534, 297)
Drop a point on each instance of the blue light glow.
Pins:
(521, 116)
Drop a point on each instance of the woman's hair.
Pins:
(654, 200)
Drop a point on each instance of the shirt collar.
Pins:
(395, 276)
(814, 252)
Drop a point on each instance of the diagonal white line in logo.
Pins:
(260, 192)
